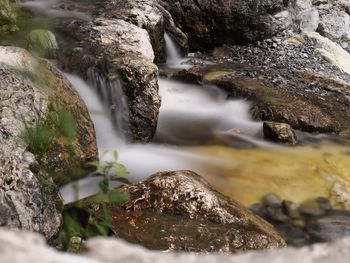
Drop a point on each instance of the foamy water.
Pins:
(186, 109)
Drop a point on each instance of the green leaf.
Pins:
(115, 155)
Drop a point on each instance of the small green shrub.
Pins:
(79, 222)
(41, 136)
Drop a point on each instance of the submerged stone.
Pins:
(279, 132)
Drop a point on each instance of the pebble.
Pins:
(291, 209)
(313, 221)
(272, 200)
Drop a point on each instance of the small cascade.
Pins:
(111, 93)
(174, 56)
(190, 112)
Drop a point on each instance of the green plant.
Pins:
(110, 171)
(41, 136)
(78, 222)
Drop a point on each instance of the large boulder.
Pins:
(117, 58)
(213, 23)
(335, 21)
(336, 26)
(31, 90)
(115, 47)
(180, 211)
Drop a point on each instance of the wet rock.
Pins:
(312, 221)
(272, 200)
(291, 209)
(179, 36)
(117, 57)
(301, 82)
(32, 88)
(279, 132)
(192, 75)
(327, 229)
(180, 211)
(213, 23)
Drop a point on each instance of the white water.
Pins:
(49, 8)
(174, 57)
(187, 110)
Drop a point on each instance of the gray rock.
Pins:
(272, 200)
(308, 20)
(328, 229)
(213, 23)
(117, 58)
(114, 52)
(291, 209)
(26, 201)
(336, 27)
(279, 132)
(29, 247)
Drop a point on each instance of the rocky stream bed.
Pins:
(232, 119)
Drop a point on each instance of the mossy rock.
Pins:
(43, 42)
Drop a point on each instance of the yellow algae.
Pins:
(216, 74)
(295, 174)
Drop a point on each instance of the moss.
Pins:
(16, 24)
(8, 17)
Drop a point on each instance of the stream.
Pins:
(197, 130)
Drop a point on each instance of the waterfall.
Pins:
(112, 95)
(172, 50)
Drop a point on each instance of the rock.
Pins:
(23, 247)
(43, 42)
(114, 52)
(291, 209)
(326, 229)
(30, 90)
(143, 13)
(272, 200)
(308, 20)
(213, 23)
(279, 132)
(292, 83)
(180, 211)
(179, 36)
(117, 58)
(319, 2)
(191, 75)
(336, 27)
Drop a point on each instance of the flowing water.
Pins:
(200, 130)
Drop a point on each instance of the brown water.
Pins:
(296, 174)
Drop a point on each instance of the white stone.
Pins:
(20, 247)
